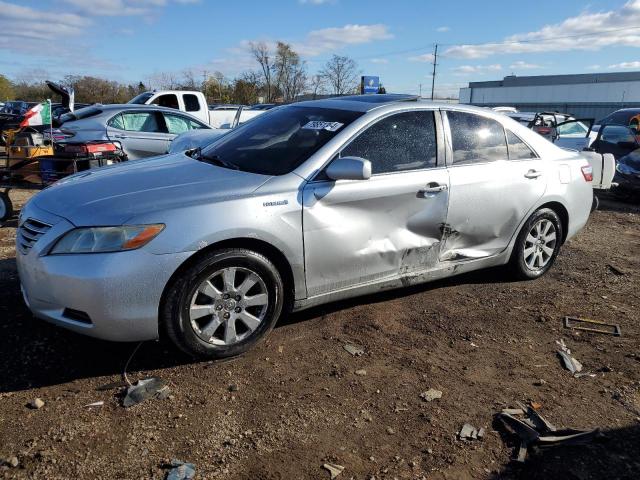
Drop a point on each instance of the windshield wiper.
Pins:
(196, 154)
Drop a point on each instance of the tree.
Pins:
(6, 89)
(290, 72)
(317, 85)
(262, 55)
(341, 74)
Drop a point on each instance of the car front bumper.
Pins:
(112, 296)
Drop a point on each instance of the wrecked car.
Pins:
(306, 204)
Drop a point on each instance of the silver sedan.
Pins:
(307, 204)
(141, 130)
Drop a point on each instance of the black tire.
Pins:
(519, 267)
(175, 321)
(595, 204)
(6, 207)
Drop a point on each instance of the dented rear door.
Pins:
(362, 231)
(490, 194)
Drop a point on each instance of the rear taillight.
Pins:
(95, 148)
(587, 173)
(544, 131)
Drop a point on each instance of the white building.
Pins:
(591, 95)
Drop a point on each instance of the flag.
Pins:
(38, 115)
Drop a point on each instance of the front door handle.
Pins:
(431, 189)
(533, 174)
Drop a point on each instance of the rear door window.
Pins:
(400, 142)
(177, 124)
(191, 103)
(518, 150)
(476, 139)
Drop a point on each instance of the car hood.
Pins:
(114, 195)
(632, 160)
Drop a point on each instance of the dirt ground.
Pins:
(296, 402)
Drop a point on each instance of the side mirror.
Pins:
(349, 168)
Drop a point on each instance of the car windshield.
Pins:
(141, 99)
(278, 141)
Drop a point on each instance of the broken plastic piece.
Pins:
(152, 387)
(333, 469)
(607, 328)
(96, 404)
(181, 470)
(353, 350)
(570, 363)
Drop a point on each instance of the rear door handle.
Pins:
(533, 174)
(434, 189)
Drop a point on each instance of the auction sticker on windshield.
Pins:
(319, 125)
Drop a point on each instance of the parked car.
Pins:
(627, 116)
(505, 109)
(140, 130)
(309, 203)
(262, 106)
(195, 103)
(11, 115)
(196, 139)
(560, 128)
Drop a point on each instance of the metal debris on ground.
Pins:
(574, 323)
(111, 386)
(153, 387)
(353, 350)
(96, 404)
(535, 431)
(431, 395)
(333, 469)
(181, 470)
(570, 363)
(469, 432)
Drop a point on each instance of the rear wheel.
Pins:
(537, 245)
(223, 304)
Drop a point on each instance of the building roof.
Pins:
(538, 80)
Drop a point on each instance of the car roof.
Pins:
(134, 106)
(359, 103)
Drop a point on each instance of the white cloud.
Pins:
(316, 2)
(379, 60)
(426, 57)
(522, 65)
(476, 69)
(332, 39)
(625, 65)
(593, 67)
(602, 29)
(443, 29)
(30, 30)
(123, 8)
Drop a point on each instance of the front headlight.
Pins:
(106, 239)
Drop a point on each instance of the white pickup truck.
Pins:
(195, 103)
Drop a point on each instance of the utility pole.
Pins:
(205, 75)
(420, 94)
(435, 63)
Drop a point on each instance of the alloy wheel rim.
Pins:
(228, 306)
(540, 245)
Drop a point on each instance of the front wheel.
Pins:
(6, 207)
(537, 245)
(223, 304)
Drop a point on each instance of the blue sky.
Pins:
(131, 40)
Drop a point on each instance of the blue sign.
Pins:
(369, 84)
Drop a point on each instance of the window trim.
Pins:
(440, 148)
(537, 155)
(187, 118)
(449, 137)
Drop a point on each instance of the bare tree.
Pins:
(317, 85)
(262, 55)
(290, 72)
(341, 74)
